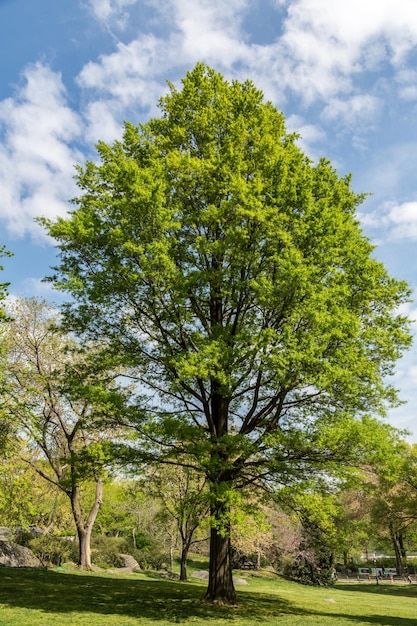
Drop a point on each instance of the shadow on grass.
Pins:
(157, 599)
(385, 589)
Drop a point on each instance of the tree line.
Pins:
(226, 315)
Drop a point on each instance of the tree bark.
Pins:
(84, 551)
(183, 568)
(220, 589)
(186, 540)
(85, 528)
(397, 550)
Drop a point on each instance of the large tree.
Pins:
(230, 273)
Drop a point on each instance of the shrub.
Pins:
(152, 557)
(105, 551)
(52, 550)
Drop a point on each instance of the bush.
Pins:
(52, 550)
(105, 551)
(152, 557)
(149, 550)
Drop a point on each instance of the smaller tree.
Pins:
(61, 396)
(184, 498)
(3, 286)
(352, 521)
(251, 531)
(394, 506)
(26, 499)
(6, 427)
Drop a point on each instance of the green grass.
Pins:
(70, 598)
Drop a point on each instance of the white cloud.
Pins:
(211, 29)
(402, 221)
(36, 160)
(38, 288)
(327, 43)
(324, 47)
(107, 11)
(397, 221)
(102, 122)
(309, 134)
(127, 74)
(407, 80)
(354, 110)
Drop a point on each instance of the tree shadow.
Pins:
(384, 588)
(154, 599)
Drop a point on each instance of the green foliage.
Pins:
(151, 548)
(123, 510)
(106, 551)
(230, 275)
(154, 556)
(394, 511)
(3, 286)
(245, 272)
(16, 493)
(53, 550)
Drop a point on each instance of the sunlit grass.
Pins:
(70, 598)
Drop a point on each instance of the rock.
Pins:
(13, 555)
(5, 533)
(129, 561)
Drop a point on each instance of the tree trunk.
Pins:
(258, 558)
(84, 551)
(183, 569)
(401, 542)
(220, 588)
(186, 540)
(397, 550)
(84, 529)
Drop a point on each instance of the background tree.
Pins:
(6, 427)
(3, 286)
(355, 532)
(230, 274)
(26, 499)
(183, 495)
(122, 510)
(394, 504)
(251, 531)
(60, 405)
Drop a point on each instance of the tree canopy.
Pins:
(230, 274)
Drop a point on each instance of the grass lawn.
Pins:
(70, 598)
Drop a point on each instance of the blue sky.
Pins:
(343, 73)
